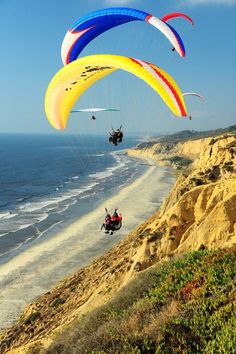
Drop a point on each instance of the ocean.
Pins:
(49, 181)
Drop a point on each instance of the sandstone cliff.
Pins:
(200, 210)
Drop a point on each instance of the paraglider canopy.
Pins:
(95, 23)
(177, 14)
(193, 94)
(92, 110)
(74, 79)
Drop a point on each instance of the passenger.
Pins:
(112, 223)
(107, 225)
(116, 136)
(113, 139)
(115, 216)
(119, 135)
(116, 220)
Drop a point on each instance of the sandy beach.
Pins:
(39, 268)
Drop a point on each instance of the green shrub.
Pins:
(187, 305)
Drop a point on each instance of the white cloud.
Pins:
(118, 2)
(208, 2)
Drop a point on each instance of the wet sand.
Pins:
(39, 268)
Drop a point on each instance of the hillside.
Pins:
(199, 214)
(186, 135)
(183, 306)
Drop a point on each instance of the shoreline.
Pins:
(39, 268)
(61, 210)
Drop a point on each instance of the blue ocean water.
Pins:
(46, 182)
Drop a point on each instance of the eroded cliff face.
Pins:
(201, 209)
(199, 212)
(172, 154)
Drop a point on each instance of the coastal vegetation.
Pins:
(179, 161)
(186, 135)
(187, 305)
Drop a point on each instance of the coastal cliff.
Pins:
(198, 214)
(201, 195)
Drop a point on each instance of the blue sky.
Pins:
(31, 33)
